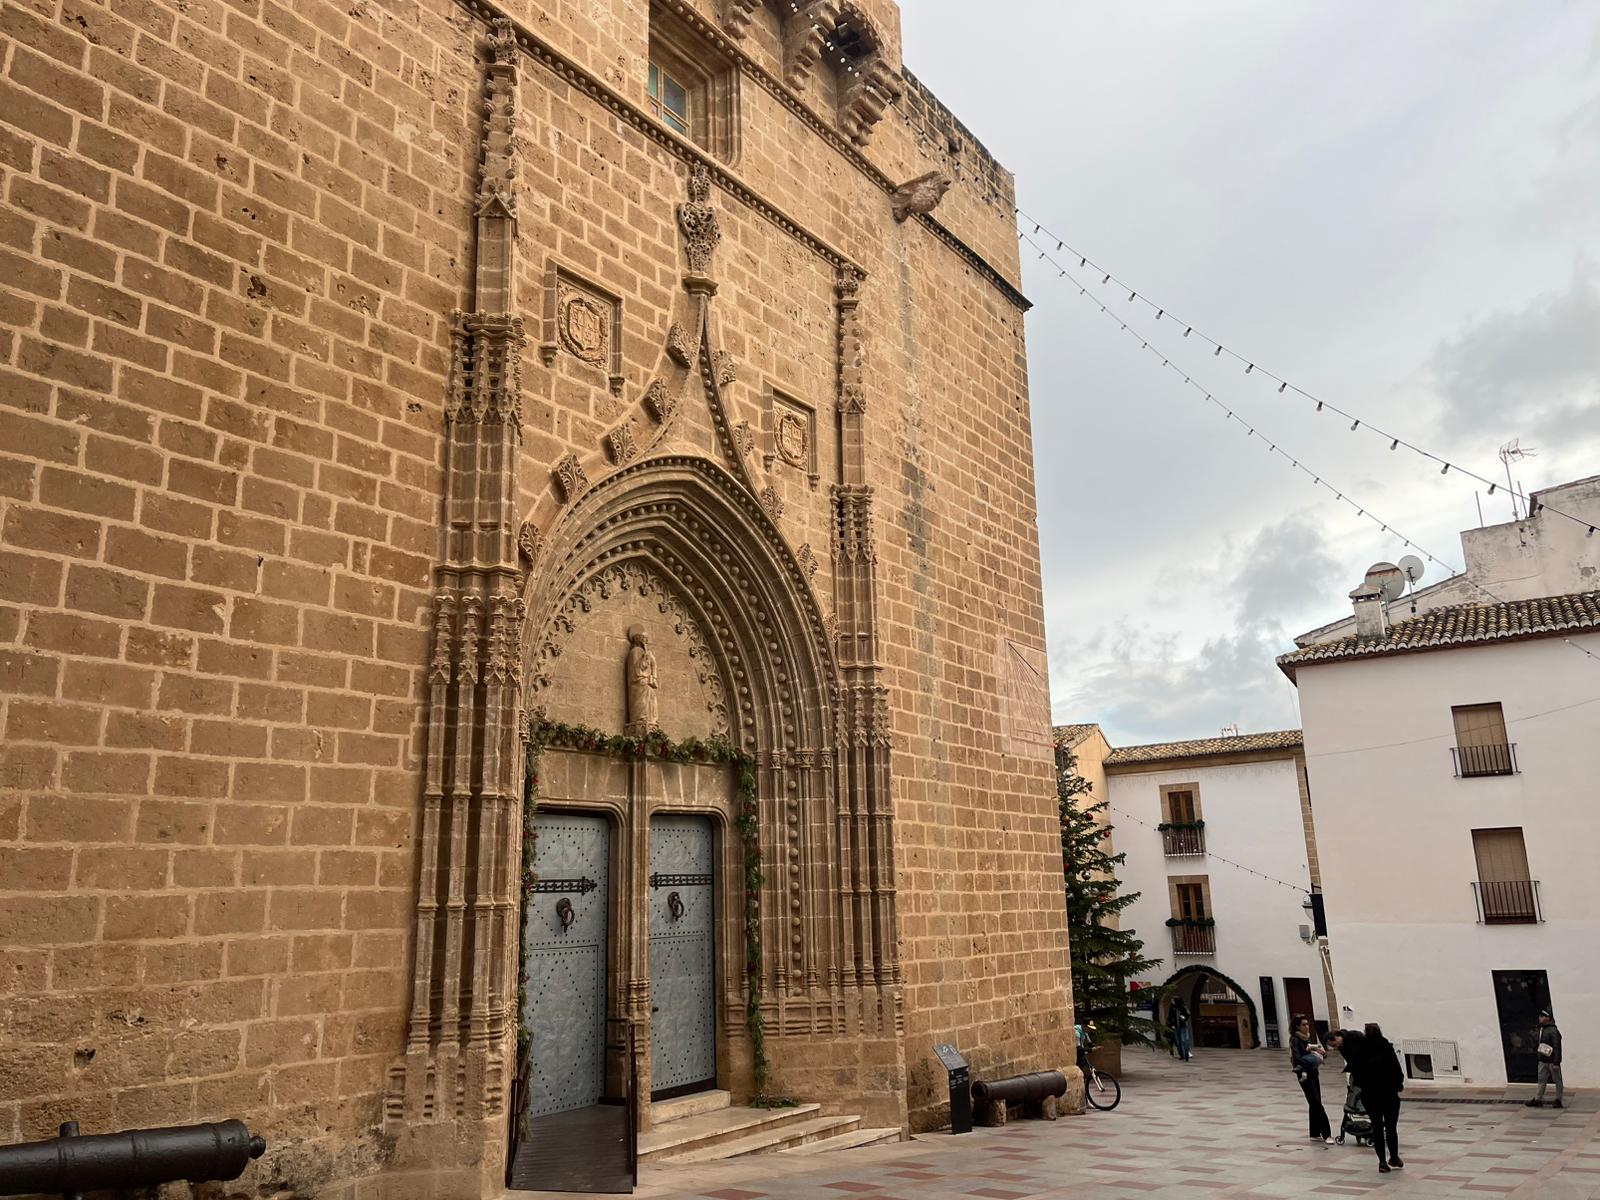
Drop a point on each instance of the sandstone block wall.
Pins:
(231, 236)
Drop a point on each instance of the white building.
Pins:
(1546, 554)
(1213, 829)
(1454, 759)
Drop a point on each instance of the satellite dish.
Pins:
(1411, 567)
(1390, 578)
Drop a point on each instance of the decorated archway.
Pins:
(1189, 984)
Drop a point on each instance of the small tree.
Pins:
(1104, 960)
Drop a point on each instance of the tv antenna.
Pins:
(1411, 567)
(1509, 453)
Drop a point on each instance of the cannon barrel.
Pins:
(133, 1158)
(1021, 1089)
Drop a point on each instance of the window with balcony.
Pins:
(1183, 832)
(1506, 894)
(1193, 928)
(1482, 747)
(690, 87)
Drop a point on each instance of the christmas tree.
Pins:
(1104, 959)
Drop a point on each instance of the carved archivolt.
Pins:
(612, 579)
(713, 548)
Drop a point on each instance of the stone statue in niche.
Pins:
(643, 710)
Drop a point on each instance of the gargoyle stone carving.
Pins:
(919, 195)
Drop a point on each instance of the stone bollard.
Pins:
(991, 1113)
(1047, 1109)
(1072, 1103)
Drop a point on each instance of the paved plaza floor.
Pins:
(1232, 1123)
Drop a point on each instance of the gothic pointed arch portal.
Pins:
(684, 538)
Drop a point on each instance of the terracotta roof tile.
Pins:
(1245, 743)
(1068, 736)
(1461, 625)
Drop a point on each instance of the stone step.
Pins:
(709, 1129)
(664, 1111)
(853, 1140)
(771, 1138)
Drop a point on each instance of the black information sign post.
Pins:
(960, 1088)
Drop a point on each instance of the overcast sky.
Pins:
(1395, 206)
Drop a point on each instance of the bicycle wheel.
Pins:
(1101, 1091)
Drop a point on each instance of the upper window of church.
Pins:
(692, 88)
(669, 100)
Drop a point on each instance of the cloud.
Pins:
(1287, 569)
(1134, 679)
(1139, 688)
(1532, 371)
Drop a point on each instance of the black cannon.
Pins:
(1032, 1091)
(71, 1164)
(1021, 1089)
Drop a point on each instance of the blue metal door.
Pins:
(565, 1006)
(683, 1035)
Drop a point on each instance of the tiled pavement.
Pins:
(1232, 1123)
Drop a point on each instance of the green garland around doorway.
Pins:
(544, 734)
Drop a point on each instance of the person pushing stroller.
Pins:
(1355, 1122)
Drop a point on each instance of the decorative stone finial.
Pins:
(698, 220)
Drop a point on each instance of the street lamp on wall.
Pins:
(1315, 914)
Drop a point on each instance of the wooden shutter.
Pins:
(1479, 725)
(1180, 803)
(1502, 855)
(1191, 900)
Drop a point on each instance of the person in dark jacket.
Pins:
(1549, 1048)
(1306, 1057)
(1375, 1069)
(1178, 1018)
(1348, 1043)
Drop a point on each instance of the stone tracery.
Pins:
(700, 539)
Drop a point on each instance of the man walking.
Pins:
(1181, 1034)
(1549, 1048)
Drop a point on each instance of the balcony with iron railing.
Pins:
(1195, 936)
(1183, 839)
(1508, 902)
(1472, 762)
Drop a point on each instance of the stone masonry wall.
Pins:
(231, 235)
(982, 916)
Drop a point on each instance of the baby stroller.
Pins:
(1355, 1121)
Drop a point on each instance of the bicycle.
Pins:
(1100, 1091)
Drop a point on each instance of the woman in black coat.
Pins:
(1306, 1057)
(1376, 1071)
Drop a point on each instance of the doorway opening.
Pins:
(567, 947)
(1225, 1016)
(1519, 996)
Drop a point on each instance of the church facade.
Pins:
(520, 578)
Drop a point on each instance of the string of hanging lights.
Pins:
(1251, 367)
(1272, 445)
(1211, 857)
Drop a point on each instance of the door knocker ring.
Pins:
(675, 906)
(565, 912)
